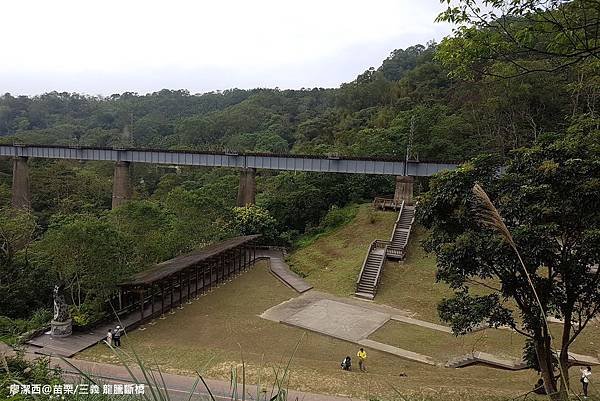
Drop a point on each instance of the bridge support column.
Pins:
(21, 194)
(404, 189)
(121, 185)
(247, 189)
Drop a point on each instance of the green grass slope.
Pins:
(333, 261)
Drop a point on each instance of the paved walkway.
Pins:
(422, 323)
(347, 319)
(282, 271)
(179, 386)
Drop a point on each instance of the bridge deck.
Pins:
(350, 165)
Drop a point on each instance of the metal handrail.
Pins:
(378, 243)
(380, 270)
(371, 246)
(397, 220)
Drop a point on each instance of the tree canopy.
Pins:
(548, 197)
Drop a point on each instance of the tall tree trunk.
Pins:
(544, 354)
(564, 353)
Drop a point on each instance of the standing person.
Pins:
(109, 337)
(117, 336)
(362, 359)
(585, 380)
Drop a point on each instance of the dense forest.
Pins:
(429, 93)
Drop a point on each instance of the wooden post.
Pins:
(162, 298)
(210, 280)
(221, 268)
(180, 289)
(189, 284)
(152, 290)
(196, 288)
(217, 264)
(172, 290)
(228, 263)
(142, 305)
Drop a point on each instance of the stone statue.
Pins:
(61, 309)
(61, 325)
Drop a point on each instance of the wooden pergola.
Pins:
(165, 285)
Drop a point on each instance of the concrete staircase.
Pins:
(485, 359)
(401, 232)
(368, 279)
(379, 250)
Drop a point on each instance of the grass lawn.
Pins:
(444, 346)
(332, 262)
(211, 333)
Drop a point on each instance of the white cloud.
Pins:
(117, 45)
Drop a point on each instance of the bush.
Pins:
(10, 329)
(254, 219)
(17, 369)
(87, 315)
(337, 217)
(40, 317)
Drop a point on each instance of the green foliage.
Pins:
(17, 228)
(67, 187)
(549, 198)
(335, 218)
(16, 369)
(88, 314)
(87, 254)
(148, 227)
(17, 276)
(514, 37)
(254, 219)
(11, 329)
(298, 201)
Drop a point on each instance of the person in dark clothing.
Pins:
(539, 388)
(117, 336)
(347, 363)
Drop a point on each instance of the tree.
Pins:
(24, 287)
(149, 227)
(87, 254)
(549, 197)
(525, 35)
(17, 228)
(252, 219)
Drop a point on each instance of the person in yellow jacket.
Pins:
(362, 359)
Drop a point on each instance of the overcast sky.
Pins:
(112, 46)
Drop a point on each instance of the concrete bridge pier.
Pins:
(121, 184)
(21, 194)
(247, 188)
(404, 189)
